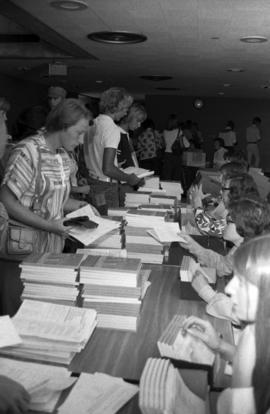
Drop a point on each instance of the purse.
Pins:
(177, 146)
(17, 240)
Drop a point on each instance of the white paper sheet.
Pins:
(9, 336)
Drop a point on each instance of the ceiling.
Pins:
(193, 41)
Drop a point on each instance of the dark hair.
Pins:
(235, 155)
(111, 98)
(173, 122)
(65, 114)
(220, 140)
(251, 216)
(4, 104)
(257, 120)
(241, 185)
(233, 168)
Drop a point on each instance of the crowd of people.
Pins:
(70, 159)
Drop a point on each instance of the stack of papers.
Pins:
(135, 199)
(140, 244)
(151, 185)
(112, 240)
(44, 383)
(102, 252)
(98, 394)
(51, 332)
(51, 277)
(88, 236)
(162, 390)
(189, 267)
(145, 218)
(140, 172)
(172, 188)
(114, 287)
(167, 232)
(163, 199)
(179, 345)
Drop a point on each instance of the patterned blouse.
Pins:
(147, 148)
(54, 187)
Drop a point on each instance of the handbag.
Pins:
(177, 146)
(17, 240)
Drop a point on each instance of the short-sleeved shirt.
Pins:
(253, 134)
(22, 170)
(103, 134)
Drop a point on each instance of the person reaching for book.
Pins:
(249, 294)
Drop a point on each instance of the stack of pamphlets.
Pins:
(172, 188)
(51, 332)
(44, 383)
(98, 394)
(188, 268)
(51, 277)
(135, 199)
(140, 172)
(176, 344)
(139, 244)
(113, 286)
(151, 185)
(163, 391)
(163, 199)
(145, 218)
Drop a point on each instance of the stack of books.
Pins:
(145, 218)
(162, 390)
(135, 199)
(50, 332)
(189, 266)
(151, 185)
(163, 199)
(51, 277)
(112, 240)
(172, 188)
(113, 286)
(140, 244)
(179, 345)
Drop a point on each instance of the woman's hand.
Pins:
(202, 329)
(190, 244)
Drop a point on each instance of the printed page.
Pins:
(98, 394)
(168, 232)
(9, 336)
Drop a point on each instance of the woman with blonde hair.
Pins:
(249, 291)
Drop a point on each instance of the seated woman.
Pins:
(36, 185)
(249, 293)
(210, 213)
(233, 188)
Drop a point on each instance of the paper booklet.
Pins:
(98, 394)
(9, 336)
(88, 236)
(162, 390)
(179, 345)
(140, 172)
(167, 232)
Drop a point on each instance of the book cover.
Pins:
(112, 264)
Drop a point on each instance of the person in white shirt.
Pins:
(219, 154)
(100, 149)
(253, 136)
(228, 135)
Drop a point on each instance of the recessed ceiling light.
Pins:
(117, 38)
(99, 81)
(226, 85)
(156, 78)
(221, 93)
(70, 5)
(253, 39)
(235, 70)
(168, 88)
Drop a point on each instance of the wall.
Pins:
(213, 116)
(21, 95)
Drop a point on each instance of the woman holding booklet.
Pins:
(249, 293)
(36, 185)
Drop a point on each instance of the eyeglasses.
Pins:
(225, 188)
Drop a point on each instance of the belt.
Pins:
(104, 180)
